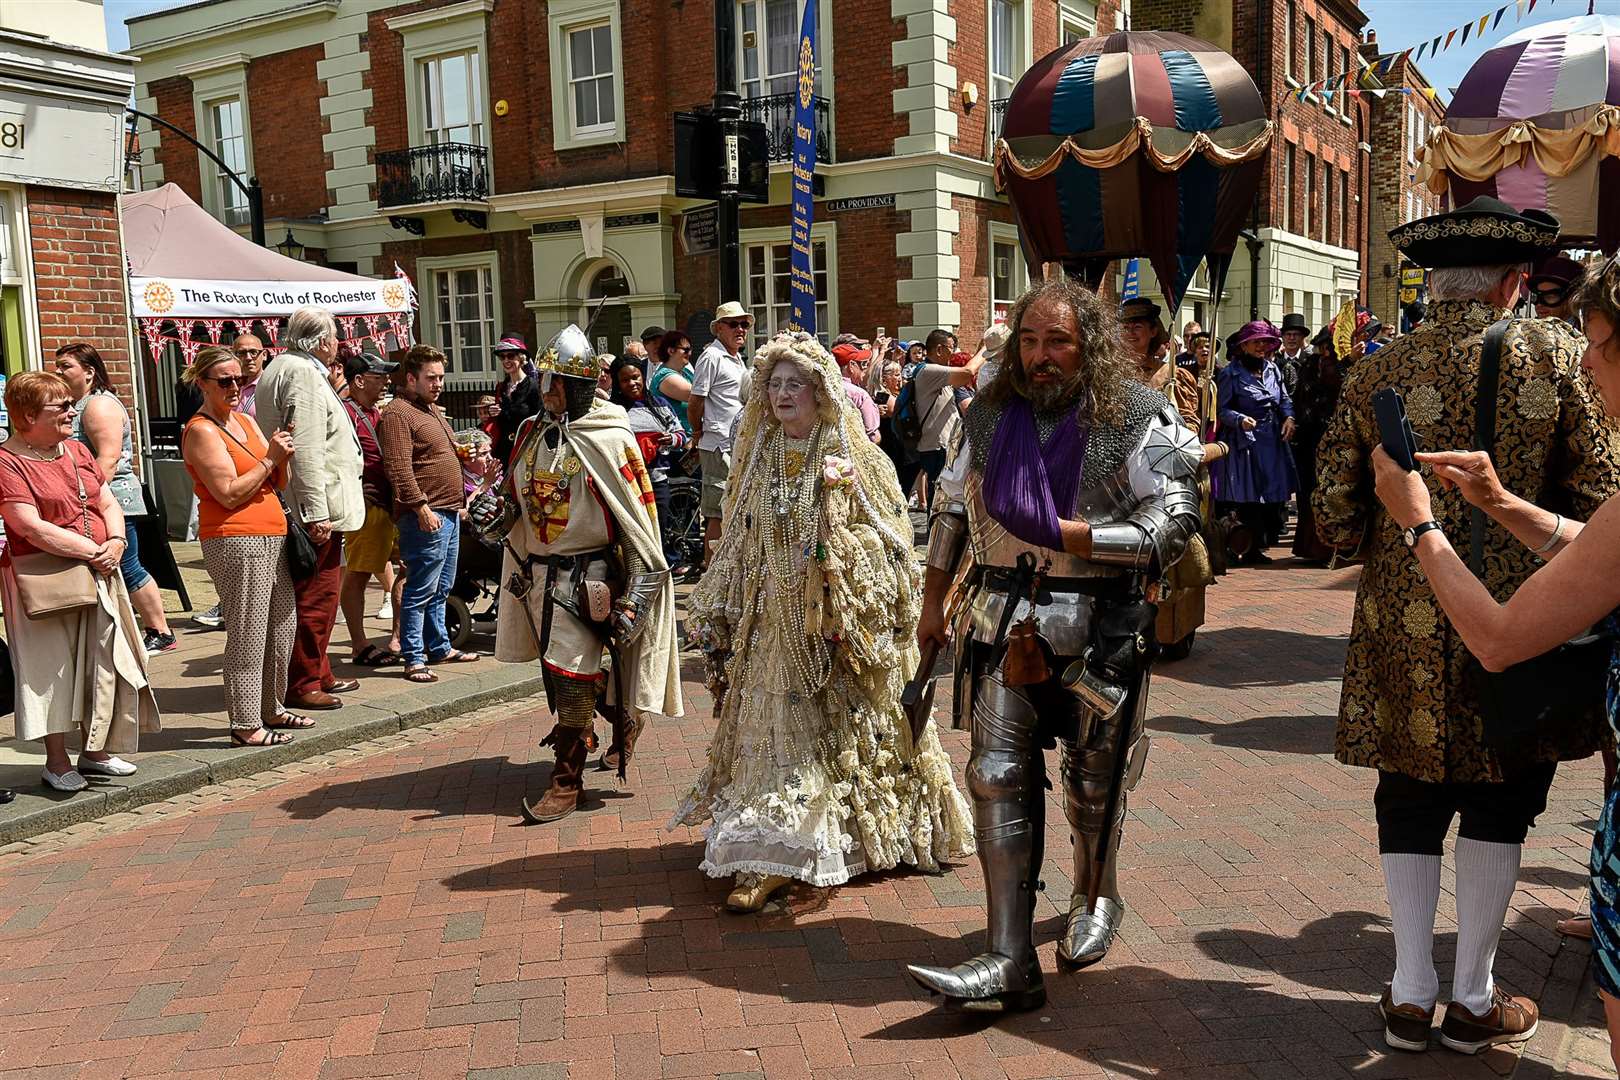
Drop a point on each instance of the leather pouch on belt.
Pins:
(1024, 663)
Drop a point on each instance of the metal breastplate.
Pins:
(1063, 617)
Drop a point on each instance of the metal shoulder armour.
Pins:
(1156, 531)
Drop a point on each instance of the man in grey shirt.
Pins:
(719, 385)
(932, 382)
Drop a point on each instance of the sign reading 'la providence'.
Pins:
(860, 202)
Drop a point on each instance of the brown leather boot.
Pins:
(623, 749)
(562, 797)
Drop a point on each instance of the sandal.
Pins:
(457, 656)
(259, 736)
(373, 657)
(1577, 926)
(418, 674)
(295, 721)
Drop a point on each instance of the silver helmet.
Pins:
(569, 355)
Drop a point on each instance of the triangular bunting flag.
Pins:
(1434, 47)
(1519, 13)
(1466, 27)
(1483, 19)
(1454, 33)
(1498, 20)
(1429, 92)
(1531, 8)
(1421, 47)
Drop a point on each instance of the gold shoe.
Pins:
(748, 897)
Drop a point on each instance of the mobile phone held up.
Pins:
(1401, 443)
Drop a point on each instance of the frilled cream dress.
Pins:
(814, 591)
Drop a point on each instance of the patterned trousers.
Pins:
(257, 603)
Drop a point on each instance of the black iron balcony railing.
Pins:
(998, 117)
(448, 172)
(775, 111)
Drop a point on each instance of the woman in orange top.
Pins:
(237, 474)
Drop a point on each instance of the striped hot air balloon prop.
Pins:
(1536, 123)
(1139, 143)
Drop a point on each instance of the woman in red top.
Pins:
(83, 668)
(237, 473)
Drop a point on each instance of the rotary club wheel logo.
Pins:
(393, 295)
(807, 72)
(159, 297)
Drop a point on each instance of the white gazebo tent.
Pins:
(192, 279)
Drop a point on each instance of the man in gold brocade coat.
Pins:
(1408, 707)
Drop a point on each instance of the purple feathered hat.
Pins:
(1259, 329)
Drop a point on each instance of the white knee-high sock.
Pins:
(1486, 876)
(1413, 885)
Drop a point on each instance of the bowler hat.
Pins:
(1486, 232)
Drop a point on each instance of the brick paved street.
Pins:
(381, 912)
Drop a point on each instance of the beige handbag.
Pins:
(51, 584)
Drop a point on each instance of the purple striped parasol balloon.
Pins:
(1541, 86)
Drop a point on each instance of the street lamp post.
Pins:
(250, 187)
(728, 110)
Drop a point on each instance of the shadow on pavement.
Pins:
(473, 786)
(1280, 734)
(1247, 656)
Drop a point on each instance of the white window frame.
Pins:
(1022, 56)
(477, 121)
(1344, 208)
(563, 16)
(1290, 16)
(601, 29)
(214, 82)
(1309, 75)
(1003, 233)
(230, 201)
(437, 32)
(822, 232)
(1289, 154)
(427, 280)
(1072, 16)
(1308, 196)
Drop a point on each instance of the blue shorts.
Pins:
(131, 570)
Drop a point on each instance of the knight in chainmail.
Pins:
(1072, 487)
(591, 592)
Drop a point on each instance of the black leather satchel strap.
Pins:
(1490, 377)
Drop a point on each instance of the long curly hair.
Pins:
(1600, 293)
(1099, 382)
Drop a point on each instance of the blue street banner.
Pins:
(803, 280)
(1133, 273)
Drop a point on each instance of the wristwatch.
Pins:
(1410, 536)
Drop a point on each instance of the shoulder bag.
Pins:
(49, 584)
(299, 549)
(1535, 698)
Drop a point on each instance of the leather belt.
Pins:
(1007, 581)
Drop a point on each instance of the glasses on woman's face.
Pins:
(57, 406)
(226, 382)
(792, 387)
(683, 348)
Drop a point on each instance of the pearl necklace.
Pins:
(791, 531)
(39, 454)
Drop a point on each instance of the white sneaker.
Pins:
(113, 766)
(387, 609)
(210, 618)
(68, 781)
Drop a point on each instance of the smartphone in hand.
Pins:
(1400, 442)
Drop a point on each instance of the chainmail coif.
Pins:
(1106, 448)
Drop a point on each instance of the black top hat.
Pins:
(1138, 308)
(1486, 232)
(1294, 321)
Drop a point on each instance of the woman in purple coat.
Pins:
(1257, 478)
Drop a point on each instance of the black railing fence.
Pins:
(775, 111)
(448, 172)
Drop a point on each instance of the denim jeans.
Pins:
(430, 567)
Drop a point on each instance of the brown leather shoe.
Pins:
(1406, 1027)
(342, 686)
(315, 699)
(1510, 1019)
(567, 778)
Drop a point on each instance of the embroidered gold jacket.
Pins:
(1408, 703)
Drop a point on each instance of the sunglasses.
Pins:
(683, 348)
(58, 406)
(226, 382)
(737, 324)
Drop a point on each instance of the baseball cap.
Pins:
(851, 353)
(367, 363)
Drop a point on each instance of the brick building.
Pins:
(1401, 122)
(516, 158)
(61, 167)
(1309, 226)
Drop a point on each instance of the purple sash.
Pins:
(1029, 485)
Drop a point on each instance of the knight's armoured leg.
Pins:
(576, 705)
(1087, 768)
(1005, 779)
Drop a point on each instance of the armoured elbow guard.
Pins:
(946, 538)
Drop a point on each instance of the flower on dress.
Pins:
(837, 471)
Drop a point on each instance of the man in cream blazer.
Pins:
(323, 491)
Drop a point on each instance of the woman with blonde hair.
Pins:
(75, 645)
(237, 475)
(808, 613)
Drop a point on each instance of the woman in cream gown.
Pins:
(808, 614)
